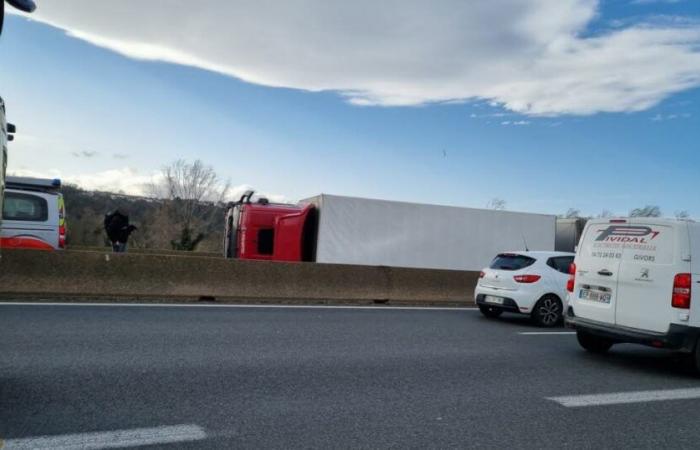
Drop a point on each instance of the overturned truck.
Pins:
(349, 230)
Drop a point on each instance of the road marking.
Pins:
(619, 398)
(111, 439)
(209, 305)
(541, 333)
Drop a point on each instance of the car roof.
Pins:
(539, 254)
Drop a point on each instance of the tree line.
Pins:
(183, 210)
(573, 213)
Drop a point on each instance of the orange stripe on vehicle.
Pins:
(23, 242)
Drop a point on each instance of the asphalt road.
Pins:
(209, 377)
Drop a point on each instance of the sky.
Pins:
(546, 104)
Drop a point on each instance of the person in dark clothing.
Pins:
(118, 230)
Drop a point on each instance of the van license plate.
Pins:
(594, 296)
(492, 299)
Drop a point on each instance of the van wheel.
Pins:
(593, 344)
(548, 311)
(490, 311)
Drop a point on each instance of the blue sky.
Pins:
(107, 120)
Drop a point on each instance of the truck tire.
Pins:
(592, 343)
(490, 311)
(548, 312)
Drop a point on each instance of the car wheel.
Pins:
(490, 311)
(593, 344)
(548, 311)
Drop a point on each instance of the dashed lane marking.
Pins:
(619, 398)
(111, 439)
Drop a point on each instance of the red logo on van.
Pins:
(627, 234)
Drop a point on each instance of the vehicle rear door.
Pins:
(652, 256)
(29, 221)
(597, 266)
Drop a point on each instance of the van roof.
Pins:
(32, 184)
(539, 253)
(642, 220)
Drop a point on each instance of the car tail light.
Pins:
(572, 278)
(527, 278)
(62, 236)
(482, 274)
(681, 291)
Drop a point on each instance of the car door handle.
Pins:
(605, 273)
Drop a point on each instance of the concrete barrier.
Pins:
(88, 274)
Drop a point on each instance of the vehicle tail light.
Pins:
(681, 291)
(482, 274)
(527, 278)
(572, 278)
(62, 236)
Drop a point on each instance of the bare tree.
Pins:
(496, 203)
(572, 213)
(682, 214)
(605, 214)
(646, 211)
(187, 187)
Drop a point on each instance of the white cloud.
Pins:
(529, 56)
(126, 180)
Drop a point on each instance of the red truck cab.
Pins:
(269, 231)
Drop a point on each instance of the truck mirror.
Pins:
(10, 137)
(23, 5)
(11, 128)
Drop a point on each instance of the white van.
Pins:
(3, 151)
(632, 281)
(33, 214)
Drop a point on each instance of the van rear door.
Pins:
(652, 256)
(597, 265)
(30, 220)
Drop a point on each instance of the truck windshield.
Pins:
(511, 262)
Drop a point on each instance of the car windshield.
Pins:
(511, 262)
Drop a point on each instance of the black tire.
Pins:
(490, 311)
(548, 312)
(696, 356)
(592, 343)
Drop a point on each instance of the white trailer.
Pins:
(389, 233)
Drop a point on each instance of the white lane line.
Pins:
(209, 305)
(619, 398)
(542, 333)
(111, 439)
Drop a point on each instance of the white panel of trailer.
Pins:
(378, 232)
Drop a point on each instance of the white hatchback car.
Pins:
(532, 283)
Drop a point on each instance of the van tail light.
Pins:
(62, 236)
(482, 274)
(527, 278)
(681, 291)
(572, 278)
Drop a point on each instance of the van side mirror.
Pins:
(11, 128)
(23, 5)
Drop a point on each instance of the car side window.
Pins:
(561, 263)
(25, 207)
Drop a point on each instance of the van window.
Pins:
(25, 207)
(266, 241)
(561, 263)
(508, 261)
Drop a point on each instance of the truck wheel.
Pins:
(490, 311)
(548, 312)
(593, 344)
